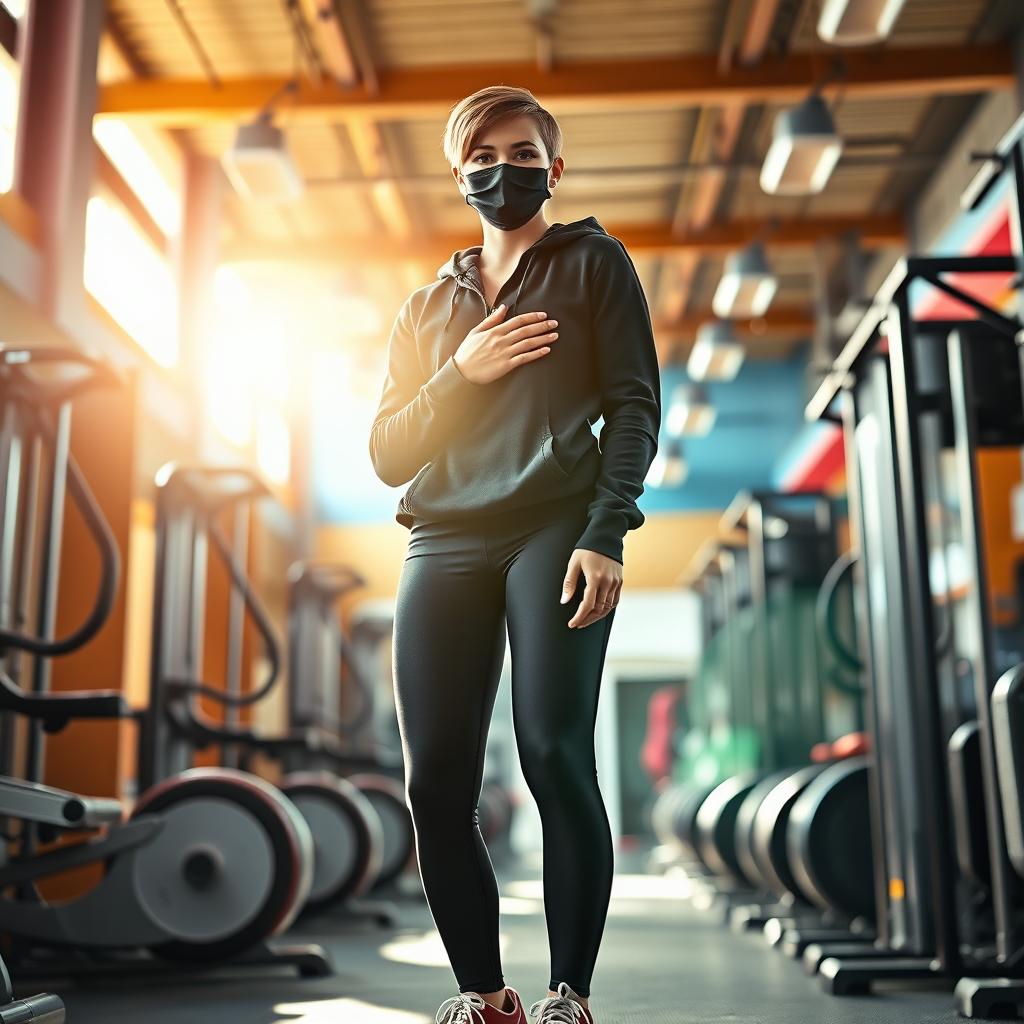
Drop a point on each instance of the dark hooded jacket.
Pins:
(472, 449)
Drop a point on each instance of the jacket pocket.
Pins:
(550, 457)
(416, 481)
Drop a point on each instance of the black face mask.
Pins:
(507, 195)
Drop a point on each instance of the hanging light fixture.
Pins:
(747, 286)
(669, 467)
(716, 354)
(259, 165)
(804, 151)
(689, 411)
(857, 22)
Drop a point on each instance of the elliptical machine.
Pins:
(41, 1009)
(349, 841)
(329, 669)
(166, 894)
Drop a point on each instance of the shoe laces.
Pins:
(558, 1009)
(465, 1008)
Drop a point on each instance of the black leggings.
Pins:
(459, 586)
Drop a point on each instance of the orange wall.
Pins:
(999, 472)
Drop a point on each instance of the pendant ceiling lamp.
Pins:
(804, 151)
(669, 468)
(689, 412)
(747, 285)
(259, 165)
(716, 354)
(857, 22)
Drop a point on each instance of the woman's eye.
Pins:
(530, 155)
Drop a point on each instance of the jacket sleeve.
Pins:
(630, 387)
(415, 415)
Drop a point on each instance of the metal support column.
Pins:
(58, 47)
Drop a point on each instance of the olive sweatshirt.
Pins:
(472, 449)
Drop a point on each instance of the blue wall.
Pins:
(758, 413)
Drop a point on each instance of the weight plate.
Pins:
(829, 840)
(347, 835)
(745, 827)
(388, 798)
(768, 833)
(716, 825)
(230, 836)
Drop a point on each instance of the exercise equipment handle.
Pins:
(110, 565)
(825, 610)
(179, 689)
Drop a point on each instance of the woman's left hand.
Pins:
(604, 582)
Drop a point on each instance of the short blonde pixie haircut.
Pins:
(476, 113)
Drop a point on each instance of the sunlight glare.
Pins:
(624, 887)
(424, 949)
(131, 279)
(142, 173)
(248, 365)
(330, 1011)
(8, 118)
(272, 444)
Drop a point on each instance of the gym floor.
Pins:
(661, 962)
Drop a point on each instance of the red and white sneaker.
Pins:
(562, 1008)
(471, 1008)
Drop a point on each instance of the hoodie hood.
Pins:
(463, 266)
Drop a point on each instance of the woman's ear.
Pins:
(556, 172)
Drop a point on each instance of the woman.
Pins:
(496, 372)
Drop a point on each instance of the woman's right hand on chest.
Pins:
(497, 346)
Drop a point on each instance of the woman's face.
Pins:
(512, 141)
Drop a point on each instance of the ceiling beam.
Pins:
(785, 321)
(335, 48)
(430, 92)
(696, 207)
(640, 239)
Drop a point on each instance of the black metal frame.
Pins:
(748, 514)
(40, 1009)
(938, 952)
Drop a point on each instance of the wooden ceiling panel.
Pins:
(624, 138)
(589, 29)
(322, 151)
(414, 33)
(850, 190)
(920, 23)
(315, 216)
(855, 119)
(210, 139)
(604, 139)
(239, 37)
